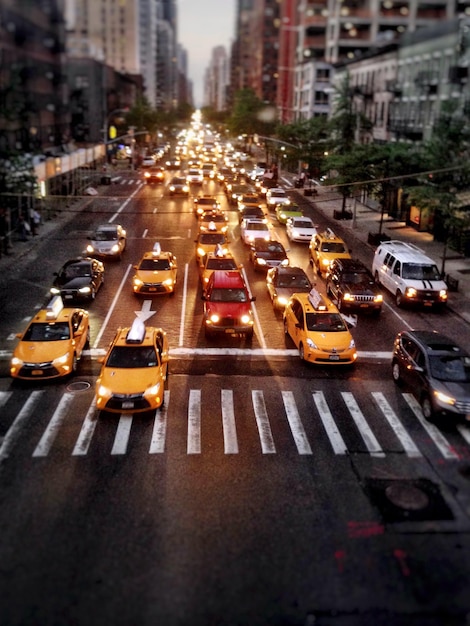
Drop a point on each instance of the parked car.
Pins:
(437, 372)
(351, 286)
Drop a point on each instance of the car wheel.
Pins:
(396, 373)
(376, 278)
(301, 351)
(74, 363)
(93, 293)
(87, 340)
(427, 408)
(399, 298)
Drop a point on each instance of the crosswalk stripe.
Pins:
(86, 432)
(329, 424)
(194, 422)
(295, 423)
(441, 442)
(365, 431)
(157, 444)
(228, 422)
(122, 435)
(262, 422)
(52, 430)
(391, 417)
(15, 429)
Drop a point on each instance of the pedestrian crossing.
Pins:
(284, 419)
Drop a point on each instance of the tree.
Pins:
(250, 115)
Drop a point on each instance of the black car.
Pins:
(283, 282)
(350, 284)
(251, 212)
(265, 254)
(436, 370)
(79, 279)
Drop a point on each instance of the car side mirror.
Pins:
(100, 359)
(417, 368)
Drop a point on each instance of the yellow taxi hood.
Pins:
(129, 380)
(152, 276)
(329, 341)
(41, 351)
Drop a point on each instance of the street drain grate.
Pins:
(407, 500)
(78, 385)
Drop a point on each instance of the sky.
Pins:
(203, 25)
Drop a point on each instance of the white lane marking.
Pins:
(157, 443)
(111, 308)
(228, 422)
(145, 233)
(337, 442)
(395, 312)
(295, 423)
(4, 397)
(391, 417)
(124, 204)
(122, 435)
(45, 443)
(262, 422)
(87, 430)
(259, 331)
(438, 438)
(183, 305)
(194, 422)
(365, 431)
(14, 431)
(464, 430)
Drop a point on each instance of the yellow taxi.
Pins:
(207, 242)
(155, 273)
(324, 248)
(213, 222)
(52, 343)
(134, 370)
(318, 330)
(220, 259)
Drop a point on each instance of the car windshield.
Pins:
(303, 224)
(416, 271)
(105, 235)
(212, 238)
(269, 246)
(256, 226)
(331, 246)
(132, 356)
(77, 270)
(58, 331)
(155, 264)
(294, 281)
(213, 218)
(450, 368)
(221, 264)
(331, 322)
(228, 295)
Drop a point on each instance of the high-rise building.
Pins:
(217, 80)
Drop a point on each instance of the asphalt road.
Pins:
(265, 492)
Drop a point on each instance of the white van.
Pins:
(410, 275)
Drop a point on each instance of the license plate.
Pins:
(68, 297)
(230, 331)
(428, 303)
(334, 357)
(152, 289)
(364, 306)
(127, 405)
(37, 372)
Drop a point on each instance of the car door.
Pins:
(79, 331)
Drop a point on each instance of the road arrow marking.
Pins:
(145, 312)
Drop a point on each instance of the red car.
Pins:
(227, 305)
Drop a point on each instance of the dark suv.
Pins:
(436, 370)
(350, 284)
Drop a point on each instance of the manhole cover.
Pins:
(407, 497)
(78, 385)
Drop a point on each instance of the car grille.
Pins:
(119, 400)
(463, 406)
(30, 370)
(363, 298)
(152, 288)
(427, 296)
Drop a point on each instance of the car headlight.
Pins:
(378, 298)
(138, 282)
(246, 319)
(326, 262)
(352, 344)
(282, 300)
(442, 294)
(147, 175)
(311, 344)
(55, 291)
(348, 297)
(411, 292)
(168, 281)
(84, 290)
(115, 248)
(16, 362)
(62, 360)
(172, 187)
(444, 398)
(186, 188)
(285, 262)
(261, 261)
(103, 392)
(153, 390)
(90, 249)
(214, 318)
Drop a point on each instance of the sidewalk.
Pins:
(366, 220)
